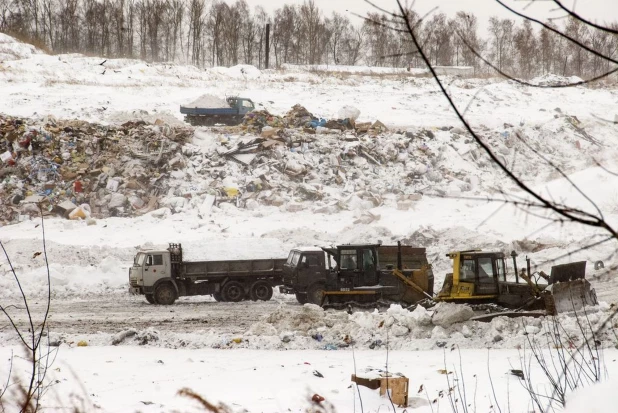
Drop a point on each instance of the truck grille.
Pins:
(133, 282)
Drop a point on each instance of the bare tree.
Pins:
(439, 42)
(338, 27)
(312, 28)
(578, 57)
(261, 19)
(501, 41)
(195, 34)
(526, 48)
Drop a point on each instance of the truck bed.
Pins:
(203, 270)
(195, 111)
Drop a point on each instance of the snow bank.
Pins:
(13, 49)
(238, 71)
(555, 80)
(597, 398)
(364, 70)
(308, 327)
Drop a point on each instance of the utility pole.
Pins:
(267, 45)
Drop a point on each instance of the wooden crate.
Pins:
(397, 387)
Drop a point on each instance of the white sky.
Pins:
(598, 10)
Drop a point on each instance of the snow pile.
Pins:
(443, 326)
(13, 49)
(81, 271)
(447, 314)
(239, 71)
(311, 328)
(597, 398)
(208, 101)
(555, 80)
(356, 70)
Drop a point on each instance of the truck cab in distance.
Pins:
(232, 114)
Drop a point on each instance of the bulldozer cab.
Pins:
(355, 266)
(476, 275)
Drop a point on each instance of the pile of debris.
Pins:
(297, 167)
(79, 169)
(300, 118)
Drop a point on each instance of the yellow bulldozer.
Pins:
(481, 277)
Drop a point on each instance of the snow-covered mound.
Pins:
(239, 71)
(13, 49)
(357, 70)
(208, 101)
(555, 80)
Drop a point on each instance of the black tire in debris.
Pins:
(150, 298)
(218, 297)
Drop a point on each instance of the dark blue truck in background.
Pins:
(209, 116)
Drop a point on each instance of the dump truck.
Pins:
(209, 110)
(359, 274)
(163, 276)
(481, 277)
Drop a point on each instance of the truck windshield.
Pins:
(139, 259)
(293, 258)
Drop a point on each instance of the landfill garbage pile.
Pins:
(82, 170)
(293, 163)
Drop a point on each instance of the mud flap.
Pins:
(568, 296)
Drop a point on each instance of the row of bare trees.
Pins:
(216, 33)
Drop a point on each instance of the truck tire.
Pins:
(165, 294)
(315, 294)
(301, 298)
(217, 296)
(261, 290)
(233, 291)
(150, 298)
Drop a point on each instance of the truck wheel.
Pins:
(233, 291)
(301, 298)
(217, 297)
(150, 298)
(261, 290)
(165, 294)
(315, 294)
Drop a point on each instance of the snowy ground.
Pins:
(117, 379)
(89, 264)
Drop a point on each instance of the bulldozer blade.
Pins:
(567, 272)
(568, 296)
